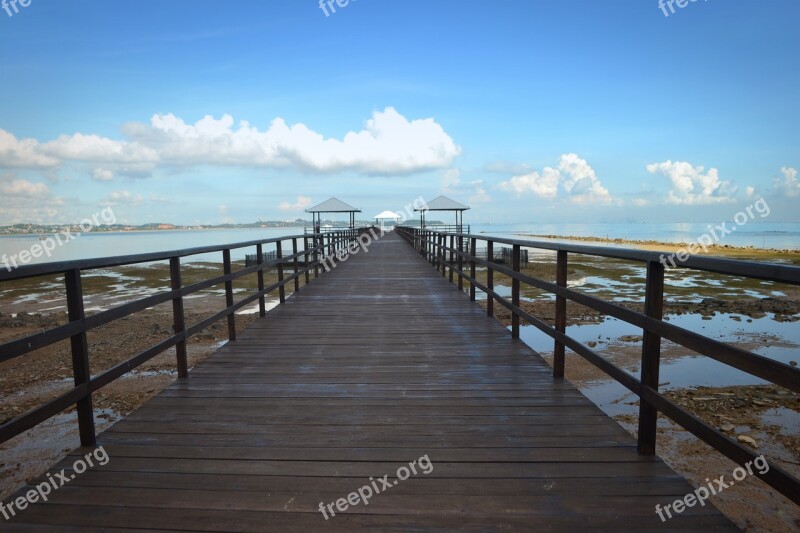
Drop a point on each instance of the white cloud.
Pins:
(156, 199)
(93, 148)
(790, 185)
(23, 189)
(102, 174)
(451, 178)
(544, 185)
(27, 201)
(122, 198)
(453, 186)
(387, 144)
(580, 181)
(223, 213)
(25, 153)
(574, 175)
(301, 203)
(480, 196)
(640, 202)
(750, 191)
(691, 185)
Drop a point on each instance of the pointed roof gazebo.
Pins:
(387, 215)
(332, 205)
(443, 203)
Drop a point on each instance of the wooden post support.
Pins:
(317, 253)
(515, 293)
(472, 251)
(262, 301)
(561, 314)
(460, 244)
(651, 357)
(296, 266)
(452, 256)
(279, 255)
(178, 318)
(306, 257)
(436, 250)
(80, 357)
(226, 260)
(442, 253)
(489, 278)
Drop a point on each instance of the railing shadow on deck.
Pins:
(319, 251)
(449, 252)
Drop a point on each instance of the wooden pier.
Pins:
(369, 368)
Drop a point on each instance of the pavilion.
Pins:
(381, 218)
(333, 205)
(443, 203)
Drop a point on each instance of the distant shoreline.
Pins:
(663, 245)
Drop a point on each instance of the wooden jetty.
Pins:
(371, 367)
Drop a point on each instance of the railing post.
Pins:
(561, 315)
(306, 257)
(472, 251)
(515, 293)
(460, 244)
(437, 251)
(226, 260)
(317, 251)
(651, 357)
(178, 318)
(262, 302)
(442, 252)
(80, 357)
(452, 256)
(279, 256)
(489, 278)
(296, 265)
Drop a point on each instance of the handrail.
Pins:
(318, 253)
(44, 269)
(448, 252)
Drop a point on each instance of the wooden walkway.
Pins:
(364, 371)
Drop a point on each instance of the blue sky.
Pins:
(529, 111)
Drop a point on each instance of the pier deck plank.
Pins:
(367, 369)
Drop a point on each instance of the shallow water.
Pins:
(782, 342)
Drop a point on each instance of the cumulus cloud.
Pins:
(574, 176)
(453, 185)
(301, 203)
(691, 185)
(122, 198)
(543, 185)
(23, 189)
(479, 196)
(789, 185)
(102, 174)
(388, 144)
(451, 178)
(27, 201)
(580, 181)
(23, 153)
(93, 148)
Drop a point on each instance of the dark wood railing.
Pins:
(450, 252)
(316, 247)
